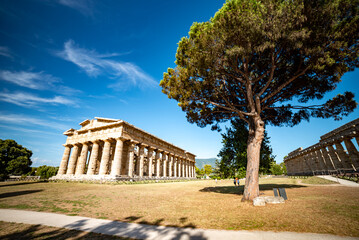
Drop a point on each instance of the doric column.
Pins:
(175, 166)
(321, 161)
(187, 172)
(170, 162)
(117, 160)
(353, 152)
(93, 158)
(73, 160)
(327, 158)
(343, 155)
(183, 168)
(150, 160)
(158, 162)
(80, 168)
(336, 160)
(131, 157)
(65, 159)
(105, 157)
(164, 163)
(141, 153)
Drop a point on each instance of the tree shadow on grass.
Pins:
(141, 230)
(18, 193)
(238, 190)
(17, 184)
(42, 232)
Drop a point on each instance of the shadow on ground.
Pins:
(18, 193)
(144, 231)
(17, 184)
(44, 232)
(238, 190)
(157, 222)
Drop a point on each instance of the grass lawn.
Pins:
(321, 208)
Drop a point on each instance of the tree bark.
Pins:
(255, 138)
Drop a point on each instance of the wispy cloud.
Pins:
(5, 52)
(20, 119)
(36, 80)
(30, 100)
(83, 6)
(95, 64)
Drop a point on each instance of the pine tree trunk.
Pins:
(255, 138)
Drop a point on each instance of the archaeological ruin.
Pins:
(328, 156)
(112, 149)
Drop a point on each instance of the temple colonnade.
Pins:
(334, 153)
(114, 149)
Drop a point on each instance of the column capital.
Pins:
(143, 145)
(159, 150)
(67, 145)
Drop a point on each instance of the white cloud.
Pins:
(83, 6)
(4, 51)
(30, 100)
(95, 64)
(19, 119)
(36, 80)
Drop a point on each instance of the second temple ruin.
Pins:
(112, 149)
(329, 155)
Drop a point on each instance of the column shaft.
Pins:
(164, 164)
(65, 160)
(93, 159)
(141, 154)
(117, 160)
(343, 156)
(73, 160)
(353, 152)
(150, 161)
(80, 168)
(105, 158)
(131, 157)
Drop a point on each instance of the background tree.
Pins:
(199, 172)
(14, 158)
(253, 58)
(45, 172)
(233, 155)
(207, 169)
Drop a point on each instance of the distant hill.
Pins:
(200, 162)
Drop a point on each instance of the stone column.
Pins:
(150, 160)
(73, 160)
(164, 163)
(65, 160)
(105, 157)
(327, 158)
(117, 159)
(158, 162)
(131, 157)
(80, 168)
(170, 162)
(353, 152)
(336, 160)
(183, 168)
(343, 155)
(141, 153)
(175, 166)
(93, 158)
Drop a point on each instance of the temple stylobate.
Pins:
(334, 153)
(112, 149)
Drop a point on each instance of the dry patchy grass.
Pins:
(201, 204)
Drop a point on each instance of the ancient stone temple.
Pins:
(329, 155)
(112, 149)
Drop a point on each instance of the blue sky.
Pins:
(64, 61)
